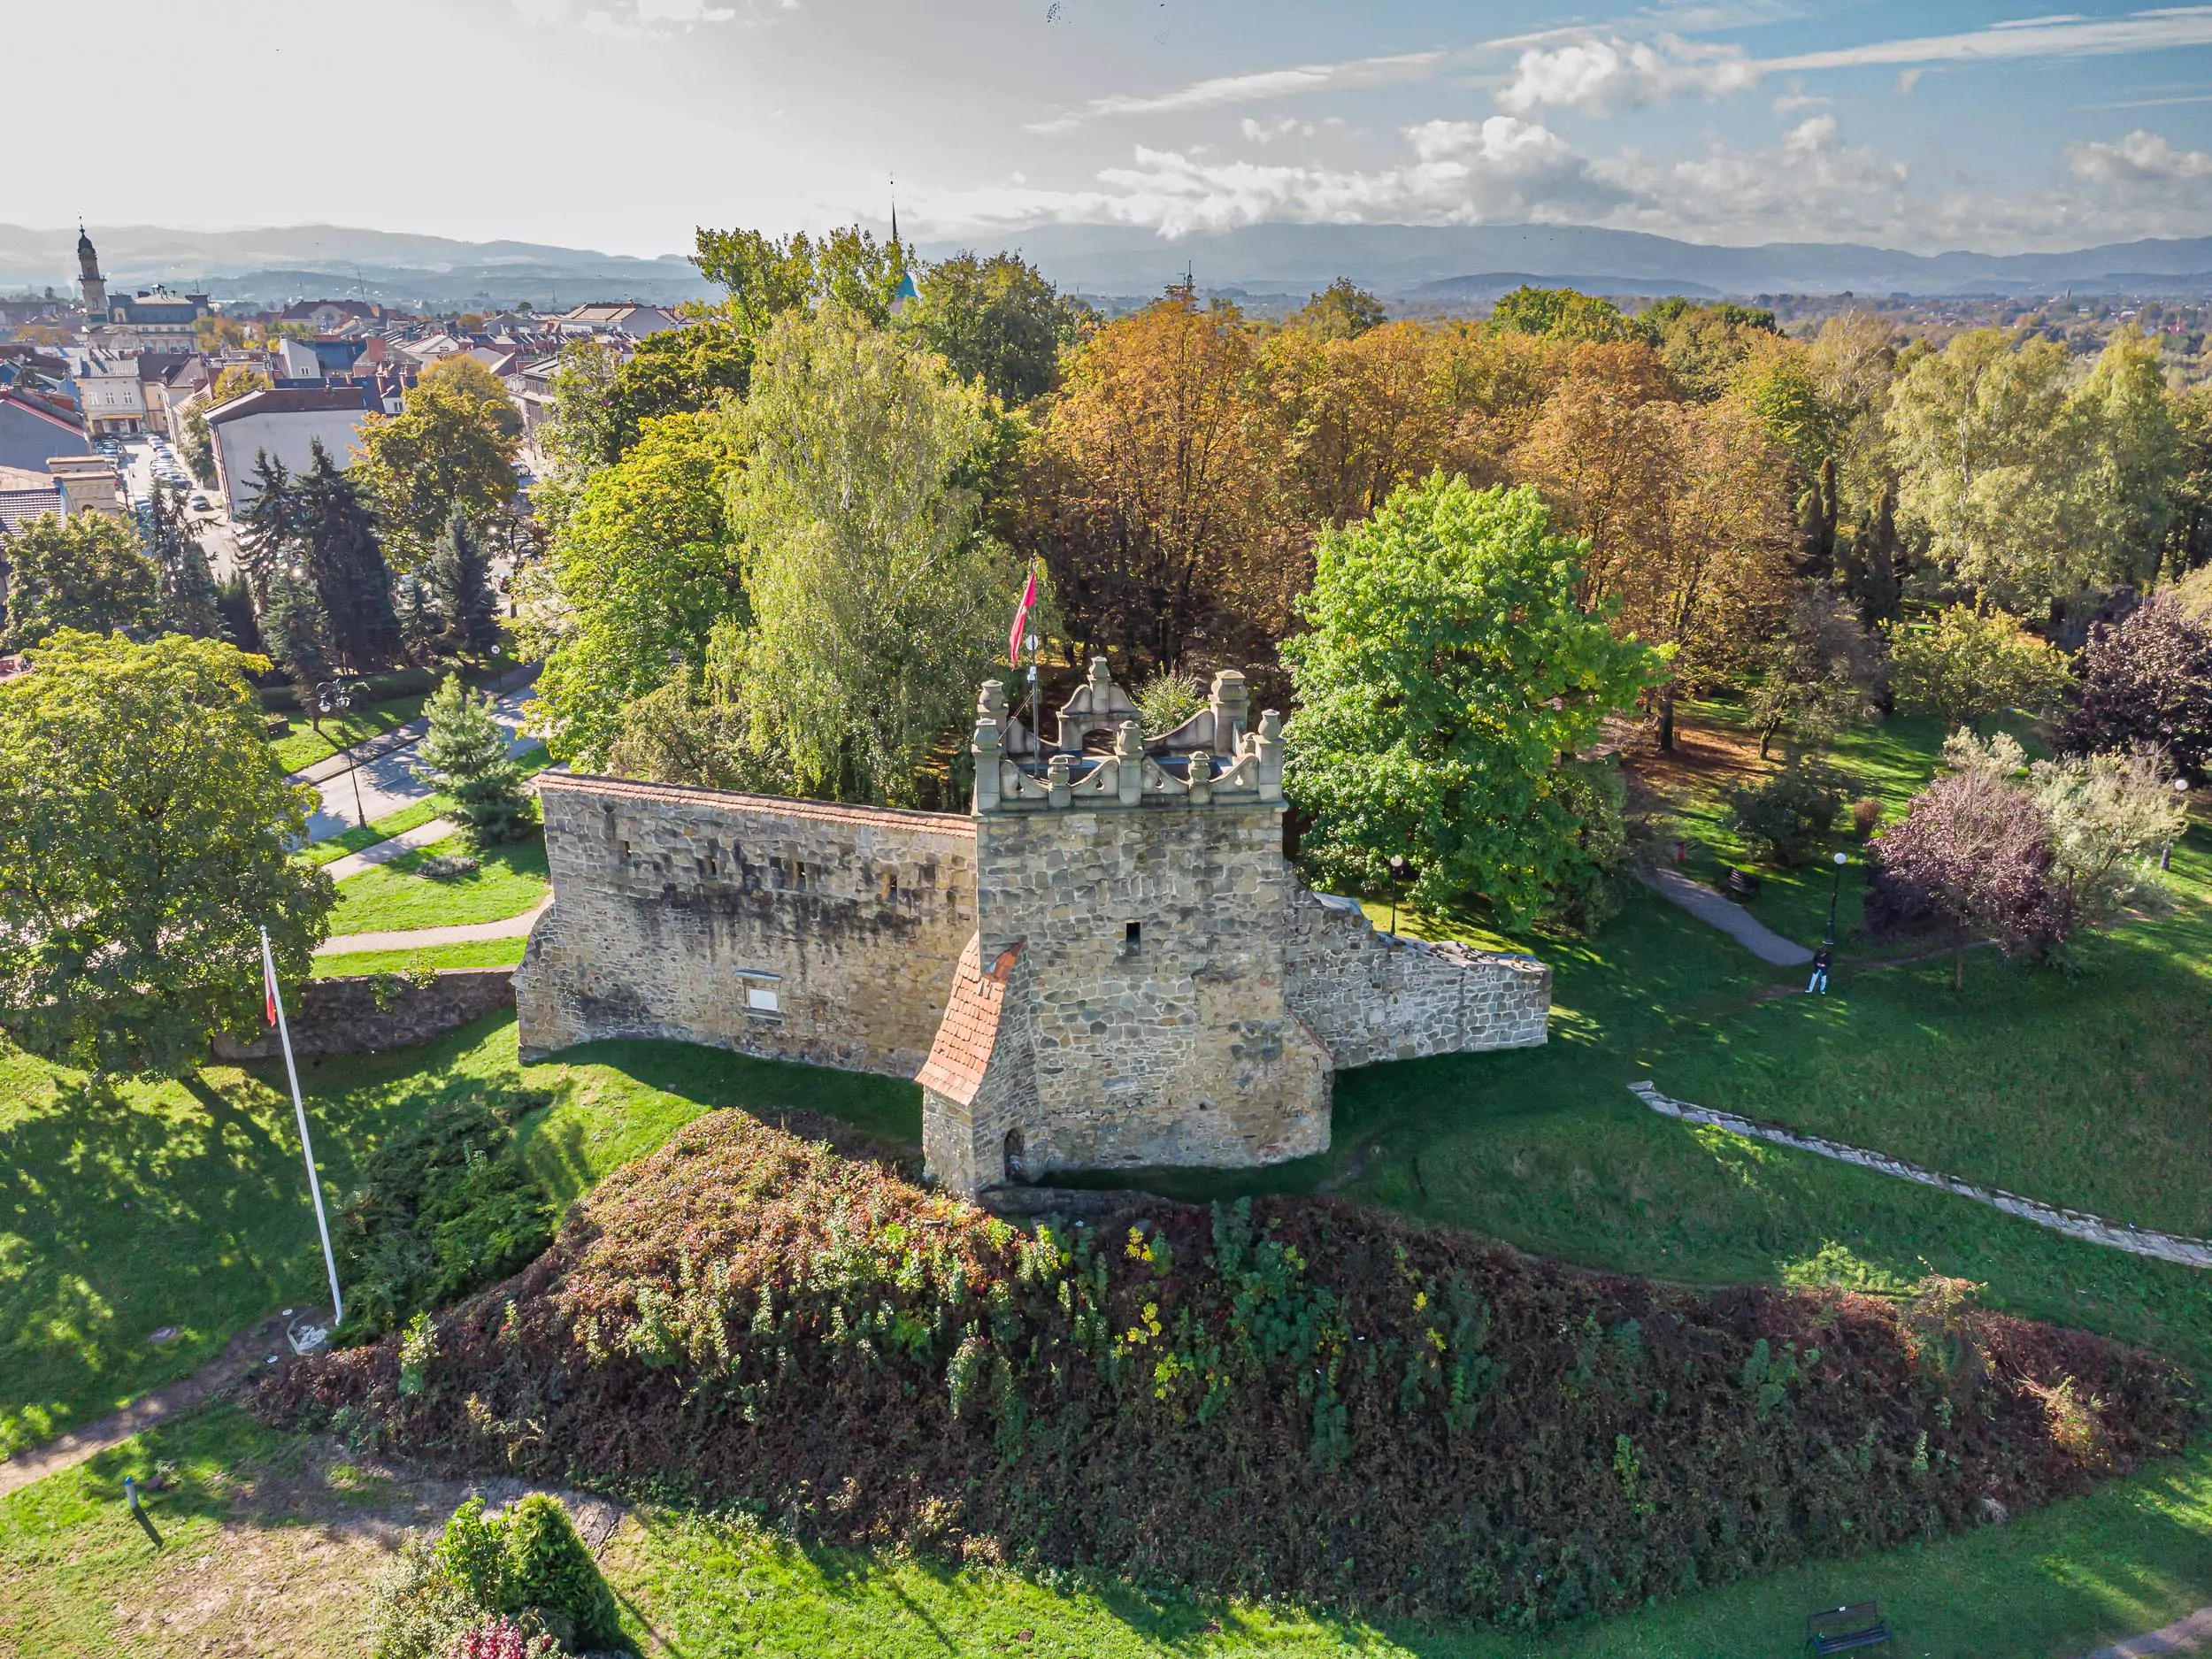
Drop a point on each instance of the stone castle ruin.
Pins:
(1108, 963)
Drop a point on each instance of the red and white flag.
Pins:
(268, 983)
(1021, 619)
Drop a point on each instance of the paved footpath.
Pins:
(406, 842)
(422, 938)
(386, 780)
(1732, 919)
(2192, 1634)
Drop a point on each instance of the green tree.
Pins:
(1967, 666)
(87, 572)
(144, 839)
(464, 757)
(766, 277)
(199, 445)
(644, 564)
(189, 603)
(997, 320)
(293, 627)
(1563, 314)
(335, 537)
(463, 573)
(1446, 679)
(583, 432)
(1342, 310)
(877, 604)
(447, 448)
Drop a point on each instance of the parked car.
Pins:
(200, 502)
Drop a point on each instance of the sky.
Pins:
(620, 125)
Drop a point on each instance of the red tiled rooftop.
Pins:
(969, 1030)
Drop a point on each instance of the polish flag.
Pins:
(1021, 619)
(268, 985)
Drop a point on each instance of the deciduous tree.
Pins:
(1967, 666)
(1449, 676)
(995, 320)
(877, 604)
(643, 565)
(144, 841)
(2147, 683)
(87, 573)
(449, 448)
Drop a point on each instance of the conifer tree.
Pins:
(188, 587)
(268, 524)
(346, 562)
(292, 629)
(463, 574)
(465, 758)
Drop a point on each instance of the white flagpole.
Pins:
(299, 1108)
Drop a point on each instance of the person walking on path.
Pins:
(1819, 981)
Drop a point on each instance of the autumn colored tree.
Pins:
(2147, 683)
(1152, 493)
(1362, 412)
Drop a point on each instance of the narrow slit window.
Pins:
(1132, 937)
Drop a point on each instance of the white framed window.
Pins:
(763, 992)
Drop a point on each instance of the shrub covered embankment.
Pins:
(1302, 1398)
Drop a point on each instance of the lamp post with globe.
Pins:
(2166, 853)
(1835, 893)
(336, 696)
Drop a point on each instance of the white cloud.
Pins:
(1501, 169)
(1598, 74)
(1797, 99)
(1906, 79)
(631, 19)
(1261, 87)
(2165, 29)
(1811, 184)
(2140, 160)
(1268, 132)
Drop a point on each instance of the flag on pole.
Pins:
(268, 987)
(299, 1111)
(1021, 619)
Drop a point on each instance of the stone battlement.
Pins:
(1109, 965)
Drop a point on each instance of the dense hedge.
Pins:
(1304, 1398)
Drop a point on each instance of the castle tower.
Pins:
(1125, 1002)
(89, 282)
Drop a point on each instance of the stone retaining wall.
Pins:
(2075, 1224)
(1370, 997)
(367, 1013)
(794, 930)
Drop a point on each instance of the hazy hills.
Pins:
(1444, 264)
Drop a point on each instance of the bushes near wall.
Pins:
(1296, 1397)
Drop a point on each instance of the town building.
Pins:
(24, 495)
(625, 318)
(1107, 964)
(324, 315)
(87, 483)
(154, 319)
(285, 423)
(34, 427)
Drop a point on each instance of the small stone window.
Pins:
(1132, 939)
(763, 992)
(891, 888)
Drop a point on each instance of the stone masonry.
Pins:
(1109, 965)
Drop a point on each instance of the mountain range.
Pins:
(1431, 263)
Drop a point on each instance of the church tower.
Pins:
(89, 281)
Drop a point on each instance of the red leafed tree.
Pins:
(1973, 856)
(2147, 683)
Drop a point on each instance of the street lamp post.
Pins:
(1397, 885)
(1835, 893)
(2166, 853)
(339, 695)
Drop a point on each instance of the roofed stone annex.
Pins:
(1108, 963)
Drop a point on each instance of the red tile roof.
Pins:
(969, 1030)
(729, 800)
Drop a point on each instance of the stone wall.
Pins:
(1174, 1045)
(794, 930)
(1369, 995)
(367, 1013)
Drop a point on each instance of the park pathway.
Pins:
(251, 1350)
(1732, 918)
(406, 842)
(386, 778)
(2192, 1634)
(423, 938)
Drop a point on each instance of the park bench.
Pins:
(1848, 1629)
(1740, 883)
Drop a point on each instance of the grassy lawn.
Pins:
(148, 1205)
(302, 745)
(374, 833)
(481, 952)
(270, 1540)
(508, 882)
